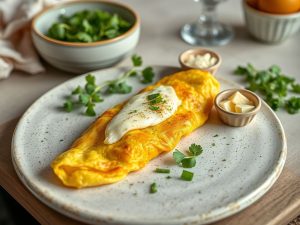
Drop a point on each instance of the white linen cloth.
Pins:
(16, 48)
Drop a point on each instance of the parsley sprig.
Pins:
(187, 161)
(91, 93)
(273, 86)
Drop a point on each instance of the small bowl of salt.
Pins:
(200, 58)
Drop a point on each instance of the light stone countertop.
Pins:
(160, 44)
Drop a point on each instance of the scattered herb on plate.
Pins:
(162, 170)
(91, 93)
(88, 26)
(153, 188)
(187, 175)
(273, 85)
(187, 161)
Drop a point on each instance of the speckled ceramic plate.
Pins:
(237, 167)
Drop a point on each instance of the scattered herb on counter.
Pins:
(187, 175)
(153, 188)
(190, 160)
(162, 170)
(91, 93)
(89, 26)
(273, 86)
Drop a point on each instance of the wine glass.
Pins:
(207, 30)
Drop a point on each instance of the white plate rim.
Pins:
(213, 216)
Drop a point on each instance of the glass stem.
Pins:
(208, 15)
(207, 23)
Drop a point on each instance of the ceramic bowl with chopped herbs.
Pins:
(80, 36)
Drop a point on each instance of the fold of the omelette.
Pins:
(90, 162)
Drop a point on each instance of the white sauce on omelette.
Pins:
(141, 111)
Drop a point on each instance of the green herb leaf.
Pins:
(186, 175)
(178, 156)
(120, 88)
(90, 79)
(136, 60)
(90, 110)
(156, 100)
(84, 98)
(152, 96)
(162, 170)
(96, 98)
(76, 91)
(293, 105)
(153, 108)
(153, 188)
(89, 88)
(68, 106)
(296, 88)
(147, 75)
(195, 150)
(188, 162)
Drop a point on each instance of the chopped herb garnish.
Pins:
(187, 161)
(178, 156)
(153, 188)
(154, 108)
(154, 99)
(195, 150)
(133, 111)
(152, 96)
(168, 177)
(273, 85)
(161, 170)
(216, 135)
(91, 93)
(187, 175)
(213, 144)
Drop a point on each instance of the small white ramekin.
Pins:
(237, 119)
(270, 28)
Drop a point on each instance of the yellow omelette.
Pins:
(91, 162)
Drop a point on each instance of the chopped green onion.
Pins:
(152, 96)
(186, 175)
(154, 108)
(161, 170)
(188, 162)
(156, 100)
(153, 188)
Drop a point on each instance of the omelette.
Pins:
(91, 161)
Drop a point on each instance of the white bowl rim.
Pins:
(83, 44)
(270, 15)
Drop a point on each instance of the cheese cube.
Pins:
(238, 99)
(243, 108)
(227, 105)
